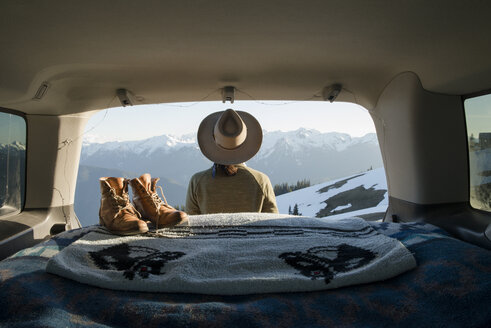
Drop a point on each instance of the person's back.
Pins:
(247, 190)
(229, 138)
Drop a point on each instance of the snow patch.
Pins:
(339, 208)
(310, 201)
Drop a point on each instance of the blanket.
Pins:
(236, 254)
(449, 288)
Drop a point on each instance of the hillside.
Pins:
(362, 195)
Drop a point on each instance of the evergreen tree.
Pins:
(289, 209)
(295, 210)
(283, 188)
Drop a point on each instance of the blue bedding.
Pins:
(451, 287)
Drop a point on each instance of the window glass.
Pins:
(12, 163)
(478, 117)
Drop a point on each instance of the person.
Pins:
(229, 138)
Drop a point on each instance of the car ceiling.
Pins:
(174, 51)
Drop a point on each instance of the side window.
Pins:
(478, 118)
(12, 163)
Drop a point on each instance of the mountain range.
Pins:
(284, 156)
(14, 146)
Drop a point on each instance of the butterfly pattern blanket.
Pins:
(236, 254)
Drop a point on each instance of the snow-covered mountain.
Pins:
(14, 146)
(297, 140)
(164, 143)
(284, 156)
(303, 138)
(362, 195)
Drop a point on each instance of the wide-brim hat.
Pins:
(229, 137)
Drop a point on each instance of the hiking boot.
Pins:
(116, 213)
(149, 204)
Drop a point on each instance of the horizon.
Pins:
(180, 119)
(193, 135)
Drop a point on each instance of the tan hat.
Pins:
(229, 137)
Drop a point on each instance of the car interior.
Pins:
(412, 65)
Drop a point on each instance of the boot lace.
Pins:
(157, 201)
(121, 203)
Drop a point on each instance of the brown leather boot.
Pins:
(117, 213)
(149, 204)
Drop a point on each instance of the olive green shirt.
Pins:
(247, 191)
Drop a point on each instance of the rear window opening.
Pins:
(323, 159)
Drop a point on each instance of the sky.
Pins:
(478, 115)
(144, 121)
(12, 128)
